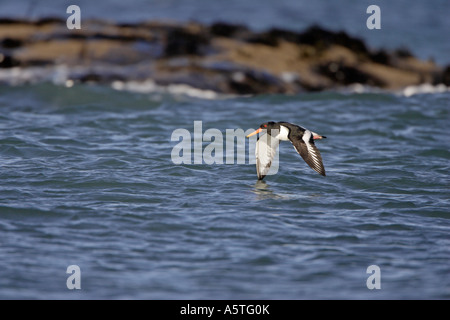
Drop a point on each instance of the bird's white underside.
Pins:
(267, 155)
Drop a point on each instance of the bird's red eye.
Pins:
(265, 126)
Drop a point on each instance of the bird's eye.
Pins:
(265, 126)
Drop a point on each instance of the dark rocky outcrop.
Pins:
(221, 57)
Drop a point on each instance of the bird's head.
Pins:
(269, 125)
(266, 126)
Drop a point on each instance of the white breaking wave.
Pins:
(424, 88)
(66, 76)
(149, 86)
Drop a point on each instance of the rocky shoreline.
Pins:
(222, 57)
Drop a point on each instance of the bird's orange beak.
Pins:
(254, 132)
(316, 137)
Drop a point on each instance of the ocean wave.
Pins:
(63, 75)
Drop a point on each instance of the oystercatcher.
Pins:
(301, 138)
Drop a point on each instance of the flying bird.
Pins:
(301, 138)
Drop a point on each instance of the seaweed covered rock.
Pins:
(222, 57)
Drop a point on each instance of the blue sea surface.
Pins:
(87, 179)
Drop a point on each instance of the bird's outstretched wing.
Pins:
(308, 151)
(266, 148)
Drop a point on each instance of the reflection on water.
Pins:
(263, 191)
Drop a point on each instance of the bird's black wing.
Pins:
(308, 151)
